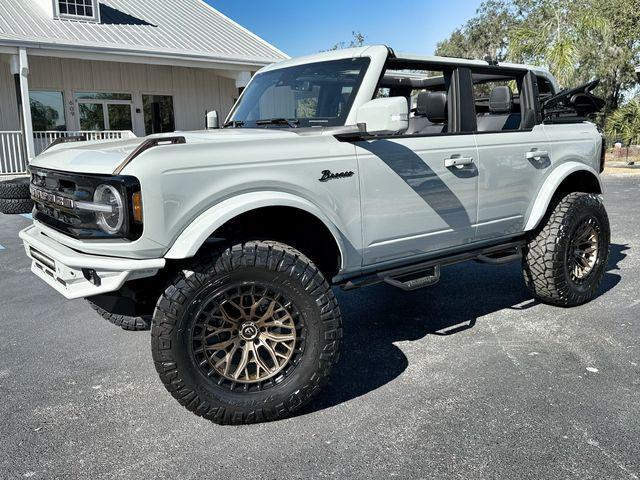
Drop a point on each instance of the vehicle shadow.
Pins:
(377, 317)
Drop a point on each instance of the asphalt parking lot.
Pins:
(467, 379)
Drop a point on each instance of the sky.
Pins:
(305, 27)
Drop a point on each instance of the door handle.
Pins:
(536, 154)
(457, 161)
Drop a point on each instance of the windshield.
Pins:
(310, 95)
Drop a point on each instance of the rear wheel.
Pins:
(249, 335)
(566, 260)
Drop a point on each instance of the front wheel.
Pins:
(249, 335)
(566, 260)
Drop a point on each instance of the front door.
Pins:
(414, 200)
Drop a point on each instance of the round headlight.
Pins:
(111, 222)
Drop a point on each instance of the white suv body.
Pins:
(381, 201)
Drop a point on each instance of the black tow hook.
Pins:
(91, 275)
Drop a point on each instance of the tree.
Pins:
(624, 124)
(43, 117)
(554, 33)
(577, 39)
(357, 40)
(485, 34)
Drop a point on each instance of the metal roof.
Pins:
(185, 28)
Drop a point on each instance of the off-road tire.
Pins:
(15, 188)
(12, 206)
(281, 268)
(132, 324)
(545, 259)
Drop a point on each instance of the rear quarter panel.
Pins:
(574, 142)
(572, 147)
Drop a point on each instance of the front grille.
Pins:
(55, 195)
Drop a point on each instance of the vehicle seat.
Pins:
(499, 116)
(431, 114)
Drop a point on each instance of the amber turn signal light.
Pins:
(137, 207)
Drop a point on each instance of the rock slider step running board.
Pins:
(415, 280)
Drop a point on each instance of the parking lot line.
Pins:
(27, 216)
(1, 247)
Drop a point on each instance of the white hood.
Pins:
(104, 156)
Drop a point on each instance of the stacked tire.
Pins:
(14, 196)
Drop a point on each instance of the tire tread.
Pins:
(275, 257)
(544, 257)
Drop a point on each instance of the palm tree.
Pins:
(555, 32)
(624, 124)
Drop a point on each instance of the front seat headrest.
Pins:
(500, 100)
(436, 107)
(421, 104)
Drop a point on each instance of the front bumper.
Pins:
(76, 275)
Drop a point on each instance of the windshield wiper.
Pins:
(293, 123)
(234, 124)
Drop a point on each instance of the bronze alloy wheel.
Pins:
(246, 334)
(247, 337)
(583, 250)
(565, 259)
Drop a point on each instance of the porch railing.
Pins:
(13, 157)
(42, 140)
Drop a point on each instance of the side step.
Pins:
(501, 258)
(427, 273)
(420, 279)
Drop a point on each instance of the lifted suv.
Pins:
(346, 168)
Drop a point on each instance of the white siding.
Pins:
(9, 119)
(194, 90)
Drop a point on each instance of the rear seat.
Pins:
(499, 117)
(431, 114)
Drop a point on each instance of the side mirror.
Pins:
(213, 121)
(384, 116)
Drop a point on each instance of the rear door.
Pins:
(513, 150)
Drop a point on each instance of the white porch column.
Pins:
(20, 67)
(242, 79)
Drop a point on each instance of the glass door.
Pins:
(119, 116)
(158, 114)
(105, 111)
(91, 116)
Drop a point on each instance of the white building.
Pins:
(116, 68)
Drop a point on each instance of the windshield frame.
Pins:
(311, 122)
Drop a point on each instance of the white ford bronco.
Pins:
(345, 169)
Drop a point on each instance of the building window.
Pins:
(158, 114)
(47, 111)
(126, 97)
(78, 9)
